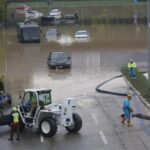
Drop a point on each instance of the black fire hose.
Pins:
(141, 116)
(98, 88)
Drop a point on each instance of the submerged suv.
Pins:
(58, 60)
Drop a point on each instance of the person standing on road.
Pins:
(14, 124)
(132, 69)
(127, 110)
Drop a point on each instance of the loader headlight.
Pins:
(67, 120)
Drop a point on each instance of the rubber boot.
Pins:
(129, 123)
(123, 120)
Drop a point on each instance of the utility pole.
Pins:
(82, 13)
(148, 39)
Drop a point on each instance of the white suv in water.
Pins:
(81, 34)
(55, 13)
(31, 14)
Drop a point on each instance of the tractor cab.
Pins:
(32, 101)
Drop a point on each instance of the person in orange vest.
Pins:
(132, 69)
(14, 124)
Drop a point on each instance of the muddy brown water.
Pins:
(109, 47)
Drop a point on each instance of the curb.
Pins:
(137, 92)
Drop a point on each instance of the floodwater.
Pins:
(109, 47)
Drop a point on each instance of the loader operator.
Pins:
(46, 100)
(33, 104)
(14, 124)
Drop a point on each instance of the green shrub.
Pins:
(140, 83)
(2, 9)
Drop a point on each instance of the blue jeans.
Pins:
(132, 72)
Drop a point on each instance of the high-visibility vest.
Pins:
(15, 117)
(132, 65)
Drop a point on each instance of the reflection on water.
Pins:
(83, 40)
(24, 65)
(65, 40)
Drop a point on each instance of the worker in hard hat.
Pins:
(127, 109)
(132, 69)
(14, 124)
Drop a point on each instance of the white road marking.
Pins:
(103, 137)
(94, 118)
(42, 139)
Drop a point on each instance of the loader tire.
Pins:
(77, 124)
(48, 127)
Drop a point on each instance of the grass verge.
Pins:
(77, 3)
(140, 84)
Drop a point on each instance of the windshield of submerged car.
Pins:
(81, 33)
(58, 56)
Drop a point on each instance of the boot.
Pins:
(129, 123)
(10, 139)
(123, 120)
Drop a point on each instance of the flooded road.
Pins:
(93, 61)
(110, 46)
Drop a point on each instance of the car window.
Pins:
(51, 33)
(82, 33)
(58, 56)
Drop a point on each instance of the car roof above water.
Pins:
(57, 52)
(27, 24)
(82, 31)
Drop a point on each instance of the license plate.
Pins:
(60, 66)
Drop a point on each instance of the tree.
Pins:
(2, 10)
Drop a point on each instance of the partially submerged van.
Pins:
(28, 32)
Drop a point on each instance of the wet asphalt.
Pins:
(24, 66)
